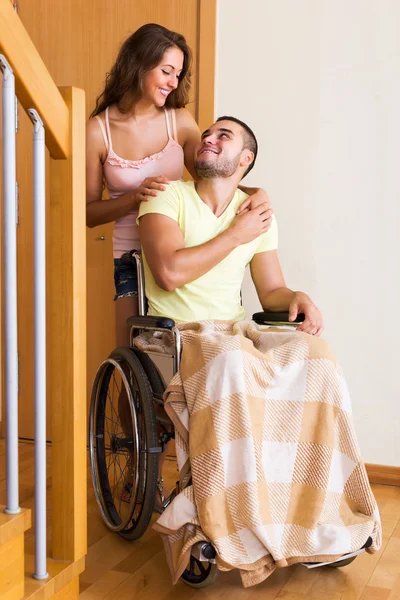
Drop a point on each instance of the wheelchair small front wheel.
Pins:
(123, 444)
(199, 573)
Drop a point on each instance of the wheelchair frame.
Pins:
(155, 323)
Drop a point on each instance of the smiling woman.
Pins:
(139, 138)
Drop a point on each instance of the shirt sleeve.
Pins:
(165, 203)
(269, 240)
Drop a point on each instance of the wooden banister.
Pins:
(34, 86)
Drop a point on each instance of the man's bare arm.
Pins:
(173, 265)
(274, 296)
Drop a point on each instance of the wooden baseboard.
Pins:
(383, 474)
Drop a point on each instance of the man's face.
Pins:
(221, 150)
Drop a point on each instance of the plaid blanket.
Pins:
(265, 437)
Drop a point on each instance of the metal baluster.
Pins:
(39, 243)
(10, 287)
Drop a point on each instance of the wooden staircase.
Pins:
(16, 567)
(17, 540)
(62, 111)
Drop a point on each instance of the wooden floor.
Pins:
(120, 570)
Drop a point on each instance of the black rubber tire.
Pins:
(208, 573)
(143, 398)
(347, 561)
(154, 376)
(342, 563)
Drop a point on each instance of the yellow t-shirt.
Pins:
(215, 295)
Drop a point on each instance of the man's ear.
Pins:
(247, 158)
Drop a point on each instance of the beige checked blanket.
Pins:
(264, 429)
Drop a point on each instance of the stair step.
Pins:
(12, 528)
(63, 580)
(13, 525)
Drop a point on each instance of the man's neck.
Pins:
(217, 193)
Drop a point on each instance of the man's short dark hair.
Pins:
(249, 139)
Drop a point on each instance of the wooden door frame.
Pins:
(206, 59)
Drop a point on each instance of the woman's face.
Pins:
(164, 78)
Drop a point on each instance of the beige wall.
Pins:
(319, 81)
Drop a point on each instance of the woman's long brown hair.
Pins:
(139, 54)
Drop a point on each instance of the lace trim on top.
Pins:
(115, 160)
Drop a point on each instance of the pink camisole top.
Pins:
(123, 175)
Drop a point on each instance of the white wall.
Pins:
(319, 82)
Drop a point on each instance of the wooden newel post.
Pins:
(66, 277)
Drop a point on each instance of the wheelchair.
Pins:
(129, 429)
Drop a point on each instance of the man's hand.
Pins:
(250, 224)
(313, 322)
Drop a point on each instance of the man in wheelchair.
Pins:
(276, 472)
(270, 470)
(196, 247)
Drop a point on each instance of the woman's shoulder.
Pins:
(184, 117)
(96, 135)
(93, 127)
(186, 126)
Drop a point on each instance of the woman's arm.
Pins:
(256, 197)
(189, 137)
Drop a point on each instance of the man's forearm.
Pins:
(187, 264)
(174, 265)
(278, 300)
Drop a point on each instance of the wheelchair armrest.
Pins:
(273, 317)
(156, 322)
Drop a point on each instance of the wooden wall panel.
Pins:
(78, 41)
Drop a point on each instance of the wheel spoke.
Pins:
(119, 391)
(110, 465)
(117, 421)
(111, 403)
(119, 395)
(117, 417)
(106, 426)
(115, 468)
(122, 471)
(200, 566)
(192, 565)
(108, 456)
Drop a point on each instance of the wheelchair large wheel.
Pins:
(123, 444)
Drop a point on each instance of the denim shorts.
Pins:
(125, 279)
